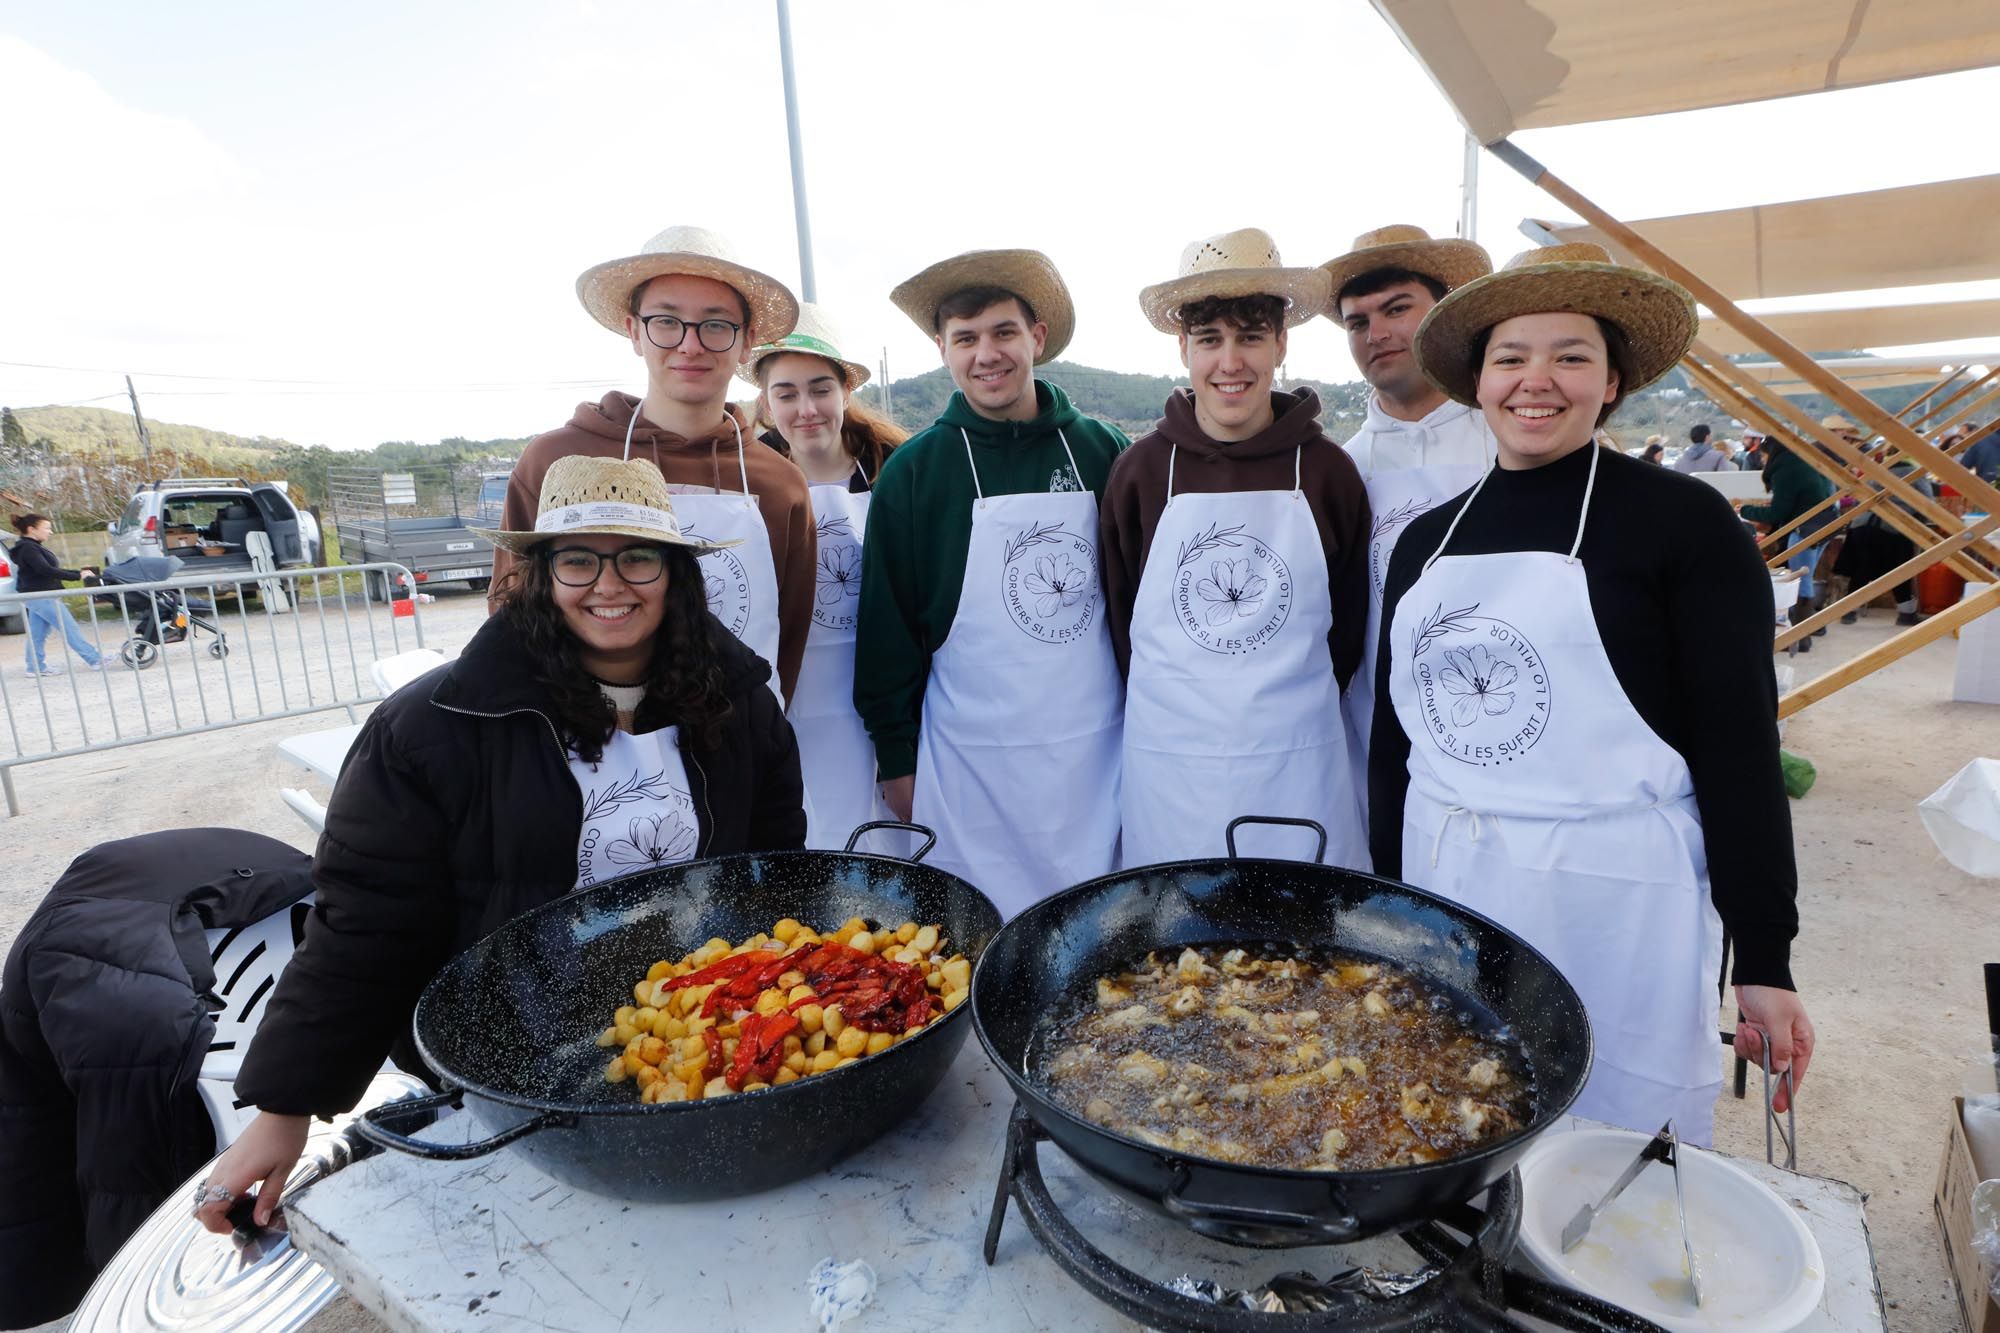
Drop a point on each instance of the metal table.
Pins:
(494, 1242)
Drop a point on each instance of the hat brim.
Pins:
(520, 543)
(606, 290)
(1448, 260)
(1028, 273)
(853, 373)
(1303, 290)
(1656, 315)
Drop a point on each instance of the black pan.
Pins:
(1043, 959)
(511, 1027)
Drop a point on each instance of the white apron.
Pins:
(741, 581)
(1539, 797)
(1231, 705)
(637, 811)
(1017, 753)
(1397, 497)
(836, 758)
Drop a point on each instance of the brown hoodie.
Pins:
(1137, 493)
(598, 431)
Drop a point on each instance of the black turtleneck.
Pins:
(1683, 603)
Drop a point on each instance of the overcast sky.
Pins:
(345, 224)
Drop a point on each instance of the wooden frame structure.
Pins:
(1508, 67)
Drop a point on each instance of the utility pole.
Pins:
(1468, 192)
(145, 438)
(888, 405)
(807, 287)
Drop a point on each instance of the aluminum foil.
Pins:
(1302, 1293)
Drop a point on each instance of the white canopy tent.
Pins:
(1871, 326)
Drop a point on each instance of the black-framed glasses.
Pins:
(667, 332)
(579, 566)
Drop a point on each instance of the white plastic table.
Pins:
(494, 1243)
(321, 752)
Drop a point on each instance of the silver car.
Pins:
(208, 523)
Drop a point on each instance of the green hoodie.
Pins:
(919, 526)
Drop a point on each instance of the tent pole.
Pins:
(1925, 397)
(1956, 394)
(1890, 650)
(1857, 598)
(1847, 398)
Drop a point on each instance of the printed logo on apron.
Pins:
(837, 596)
(1482, 688)
(618, 840)
(1382, 538)
(726, 584)
(1049, 583)
(1232, 593)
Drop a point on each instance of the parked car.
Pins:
(13, 620)
(206, 522)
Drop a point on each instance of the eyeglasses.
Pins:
(579, 566)
(670, 331)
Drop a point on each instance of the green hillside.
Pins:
(95, 430)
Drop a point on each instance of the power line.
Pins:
(249, 379)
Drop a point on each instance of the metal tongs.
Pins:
(1662, 1147)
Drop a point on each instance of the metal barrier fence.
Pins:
(177, 661)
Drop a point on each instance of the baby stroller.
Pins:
(160, 617)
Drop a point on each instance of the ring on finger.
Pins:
(205, 1193)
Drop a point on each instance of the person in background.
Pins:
(1795, 487)
(1235, 540)
(805, 386)
(1416, 448)
(1983, 458)
(1873, 548)
(983, 667)
(1656, 449)
(1551, 748)
(692, 313)
(1755, 453)
(38, 570)
(1701, 455)
(601, 723)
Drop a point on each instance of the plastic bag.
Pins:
(1963, 818)
(1799, 773)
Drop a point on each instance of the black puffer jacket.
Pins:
(103, 1027)
(455, 813)
(38, 570)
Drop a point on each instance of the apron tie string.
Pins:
(1074, 470)
(1450, 812)
(974, 466)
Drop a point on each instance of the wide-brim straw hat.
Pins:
(1655, 314)
(814, 336)
(606, 289)
(1236, 263)
(1839, 425)
(1447, 260)
(582, 495)
(1029, 274)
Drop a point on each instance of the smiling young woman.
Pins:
(601, 723)
(1546, 748)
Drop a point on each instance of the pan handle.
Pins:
(1336, 1228)
(374, 1126)
(930, 837)
(1229, 835)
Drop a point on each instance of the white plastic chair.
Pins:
(305, 807)
(393, 673)
(247, 962)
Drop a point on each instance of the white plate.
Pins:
(1760, 1266)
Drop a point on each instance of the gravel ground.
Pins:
(1888, 960)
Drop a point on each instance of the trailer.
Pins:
(419, 517)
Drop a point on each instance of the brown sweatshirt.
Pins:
(598, 431)
(1137, 493)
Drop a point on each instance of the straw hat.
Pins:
(813, 335)
(1029, 274)
(602, 495)
(606, 289)
(1450, 261)
(1839, 424)
(1652, 440)
(1236, 263)
(1655, 314)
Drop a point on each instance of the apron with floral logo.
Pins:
(1231, 705)
(1541, 798)
(1017, 752)
(637, 813)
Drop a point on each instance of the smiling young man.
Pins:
(1235, 568)
(692, 314)
(982, 667)
(1417, 447)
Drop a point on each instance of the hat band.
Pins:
(603, 513)
(805, 342)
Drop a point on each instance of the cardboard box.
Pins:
(175, 540)
(1953, 1203)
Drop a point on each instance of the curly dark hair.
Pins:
(683, 687)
